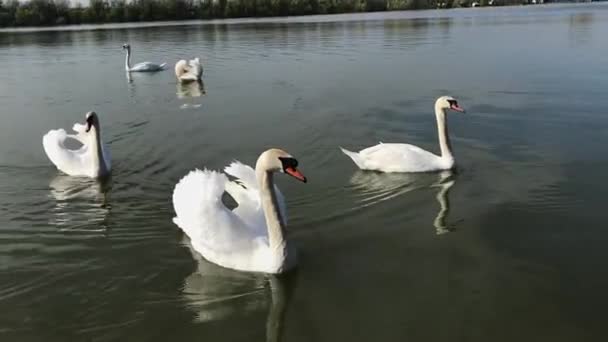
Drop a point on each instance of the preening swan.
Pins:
(252, 236)
(140, 67)
(410, 158)
(189, 71)
(92, 159)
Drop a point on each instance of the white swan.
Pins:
(140, 67)
(189, 71)
(92, 159)
(252, 236)
(410, 158)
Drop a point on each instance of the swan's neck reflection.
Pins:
(375, 187)
(445, 183)
(79, 202)
(216, 293)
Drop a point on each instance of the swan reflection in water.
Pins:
(217, 293)
(190, 89)
(80, 202)
(377, 187)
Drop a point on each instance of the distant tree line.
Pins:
(59, 12)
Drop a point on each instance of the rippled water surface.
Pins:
(509, 247)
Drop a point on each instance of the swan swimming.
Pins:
(410, 158)
(189, 71)
(140, 67)
(252, 236)
(92, 159)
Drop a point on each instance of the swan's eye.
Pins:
(289, 163)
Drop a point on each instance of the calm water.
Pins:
(510, 247)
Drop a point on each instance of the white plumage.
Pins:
(189, 71)
(143, 66)
(410, 158)
(92, 159)
(241, 238)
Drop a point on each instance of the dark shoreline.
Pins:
(57, 13)
(397, 14)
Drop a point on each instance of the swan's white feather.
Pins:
(233, 239)
(147, 66)
(247, 191)
(398, 158)
(190, 71)
(76, 162)
(71, 162)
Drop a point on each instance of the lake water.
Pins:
(509, 247)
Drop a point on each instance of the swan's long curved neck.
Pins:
(99, 163)
(442, 131)
(128, 60)
(274, 221)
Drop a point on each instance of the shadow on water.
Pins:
(216, 294)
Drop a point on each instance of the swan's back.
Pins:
(399, 158)
(148, 66)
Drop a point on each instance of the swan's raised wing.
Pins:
(197, 69)
(399, 158)
(80, 130)
(213, 229)
(71, 162)
(188, 71)
(245, 191)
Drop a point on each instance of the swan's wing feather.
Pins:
(197, 69)
(81, 131)
(71, 162)
(245, 175)
(201, 214)
(399, 158)
(188, 71)
(148, 66)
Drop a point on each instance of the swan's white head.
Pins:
(126, 47)
(277, 160)
(448, 102)
(92, 121)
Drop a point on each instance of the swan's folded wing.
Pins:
(397, 157)
(245, 175)
(201, 214)
(148, 66)
(71, 162)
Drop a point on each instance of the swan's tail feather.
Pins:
(355, 157)
(162, 66)
(194, 195)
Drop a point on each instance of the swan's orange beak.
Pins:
(293, 172)
(457, 108)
